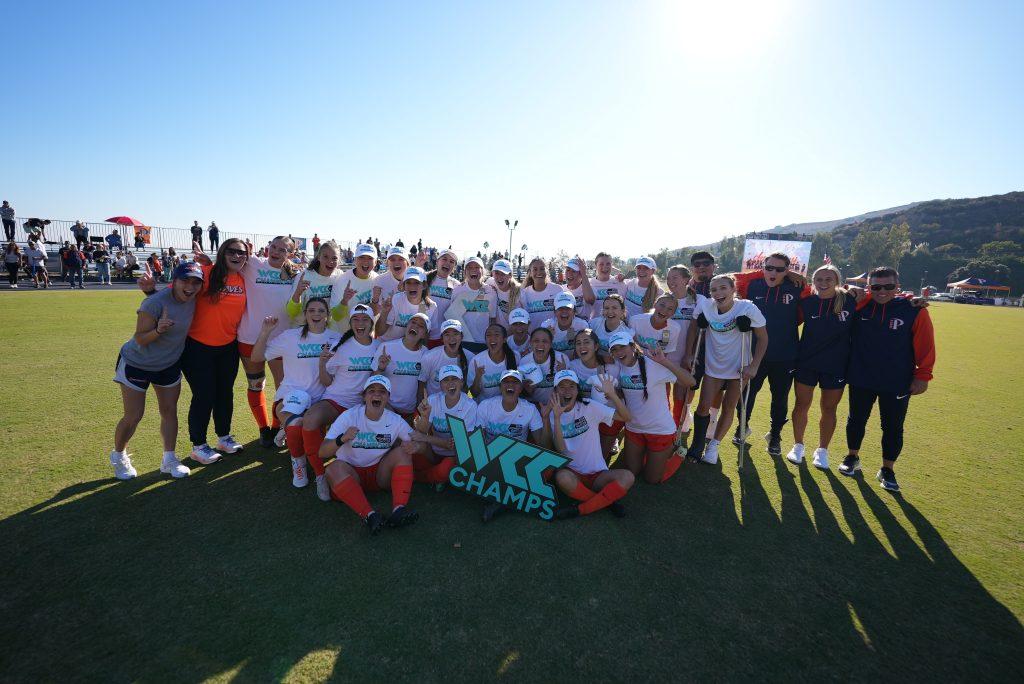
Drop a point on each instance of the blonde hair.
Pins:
(651, 293)
(840, 298)
(529, 274)
(724, 276)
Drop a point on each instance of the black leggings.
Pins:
(12, 273)
(211, 373)
(893, 409)
(780, 381)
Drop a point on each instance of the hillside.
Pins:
(819, 226)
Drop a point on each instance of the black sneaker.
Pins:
(850, 465)
(402, 516)
(774, 443)
(888, 479)
(617, 509)
(567, 512)
(267, 437)
(374, 522)
(696, 450)
(492, 510)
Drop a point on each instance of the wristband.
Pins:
(339, 440)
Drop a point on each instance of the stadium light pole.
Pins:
(511, 229)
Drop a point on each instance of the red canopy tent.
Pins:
(978, 285)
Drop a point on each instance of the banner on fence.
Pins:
(756, 251)
(146, 233)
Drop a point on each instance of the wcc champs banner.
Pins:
(756, 251)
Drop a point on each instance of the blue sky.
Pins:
(627, 126)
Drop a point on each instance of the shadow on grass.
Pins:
(234, 573)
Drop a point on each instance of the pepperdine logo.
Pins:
(493, 471)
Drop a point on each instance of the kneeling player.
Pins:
(435, 455)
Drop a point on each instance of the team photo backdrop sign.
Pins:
(756, 251)
(507, 471)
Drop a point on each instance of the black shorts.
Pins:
(698, 374)
(138, 379)
(813, 378)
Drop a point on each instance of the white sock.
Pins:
(168, 455)
(714, 414)
(116, 453)
(714, 442)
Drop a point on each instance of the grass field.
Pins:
(776, 573)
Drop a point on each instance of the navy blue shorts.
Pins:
(138, 379)
(813, 378)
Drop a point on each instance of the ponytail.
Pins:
(642, 363)
(650, 294)
(349, 334)
(510, 358)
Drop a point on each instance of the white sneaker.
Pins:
(299, 478)
(711, 452)
(15, 286)
(123, 468)
(172, 466)
(323, 488)
(796, 454)
(821, 458)
(279, 438)
(228, 445)
(204, 454)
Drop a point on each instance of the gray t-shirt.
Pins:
(165, 351)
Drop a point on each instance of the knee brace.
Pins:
(257, 381)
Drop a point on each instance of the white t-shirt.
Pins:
(668, 338)
(401, 311)
(492, 371)
(582, 440)
(519, 349)
(598, 326)
(651, 416)
(518, 424)
(301, 357)
(434, 359)
(364, 293)
(374, 438)
(501, 298)
(635, 296)
(563, 339)
(387, 284)
(320, 286)
(603, 288)
(267, 291)
(684, 315)
(441, 292)
(583, 310)
(540, 305)
(403, 371)
(36, 255)
(723, 341)
(439, 412)
(544, 377)
(475, 308)
(351, 365)
(589, 386)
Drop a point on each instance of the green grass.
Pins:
(780, 572)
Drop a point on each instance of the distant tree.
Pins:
(982, 268)
(1000, 249)
(824, 243)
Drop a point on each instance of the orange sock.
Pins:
(401, 485)
(311, 440)
(608, 495)
(582, 492)
(351, 494)
(435, 473)
(258, 405)
(671, 466)
(677, 411)
(275, 422)
(293, 438)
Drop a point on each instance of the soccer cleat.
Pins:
(617, 509)
(491, 511)
(711, 453)
(123, 468)
(696, 450)
(267, 437)
(739, 439)
(567, 512)
(173, 467)
(849, 466)
(299, 478)
(774, 443)
(796, 454)
(888, 479)
(323, 488)
(228, 445)
(279, 439)
(203, 453)
(821, 458)
(374, 523)
(402, 516)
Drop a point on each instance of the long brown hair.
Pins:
(219, 272)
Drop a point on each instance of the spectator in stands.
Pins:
(80, 233)
(36, 229)
(61, 254)
(214, 232)
(35, 257)
(119, 265)
(400, 243)
(7, 214)
(139, 241)
(12, 261)
(74, 265)
(156, 267)
(114, 240)
(197, 233)
(87, 250)
(102, 258)
(131, 264)
(316, 242)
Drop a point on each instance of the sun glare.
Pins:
(726, 29)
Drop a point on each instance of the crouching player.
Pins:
(574, 422)
(435, 455)
(374, 448)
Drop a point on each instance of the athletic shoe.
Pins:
(299, 478)
(821, 458)
(711, 453)
(796, 454)
(491, 511)
(279, 439)
(173, 467)
(267, 437)
(774, 443)
(740, 440)
(323, 488)
(15, 286)
(888, 479)
(228, 445)
(204, 454)
(567, 512)
(696, 450)
(617, 509)
(123, 468)
(402, 516)
(850, 465)
(374, 523)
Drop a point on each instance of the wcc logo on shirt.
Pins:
(631, 382)
(440, 292)
(272, 276)
(371, 440)
(508, 471)
(319, 291)
(475, 305)
(408, 368)
(309, 350)
(359, 363)
(541, 305)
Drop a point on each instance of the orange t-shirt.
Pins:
(215, 322)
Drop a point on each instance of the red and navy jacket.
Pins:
(780, 306)
(825, 341)
(701, 287)
(892, 344)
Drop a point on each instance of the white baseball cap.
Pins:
(648, 262)
(360, 309)
(296, 402)
(566, 375)
(449, 252)
(576, 265)
(415, 273)
(397, 251)
(423, 317)
(451, 324)
(366, 250)
(620, 339)
(449, 371)
(513, 373)
(475, 260)
(503, 266)
(377, 380)
(565, 300)
(518, 316)
(531, 372)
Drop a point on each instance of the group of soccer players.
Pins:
(369, 365)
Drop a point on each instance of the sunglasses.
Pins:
(777, 269)
(235, 252)
(887, 287)
(702, 263)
